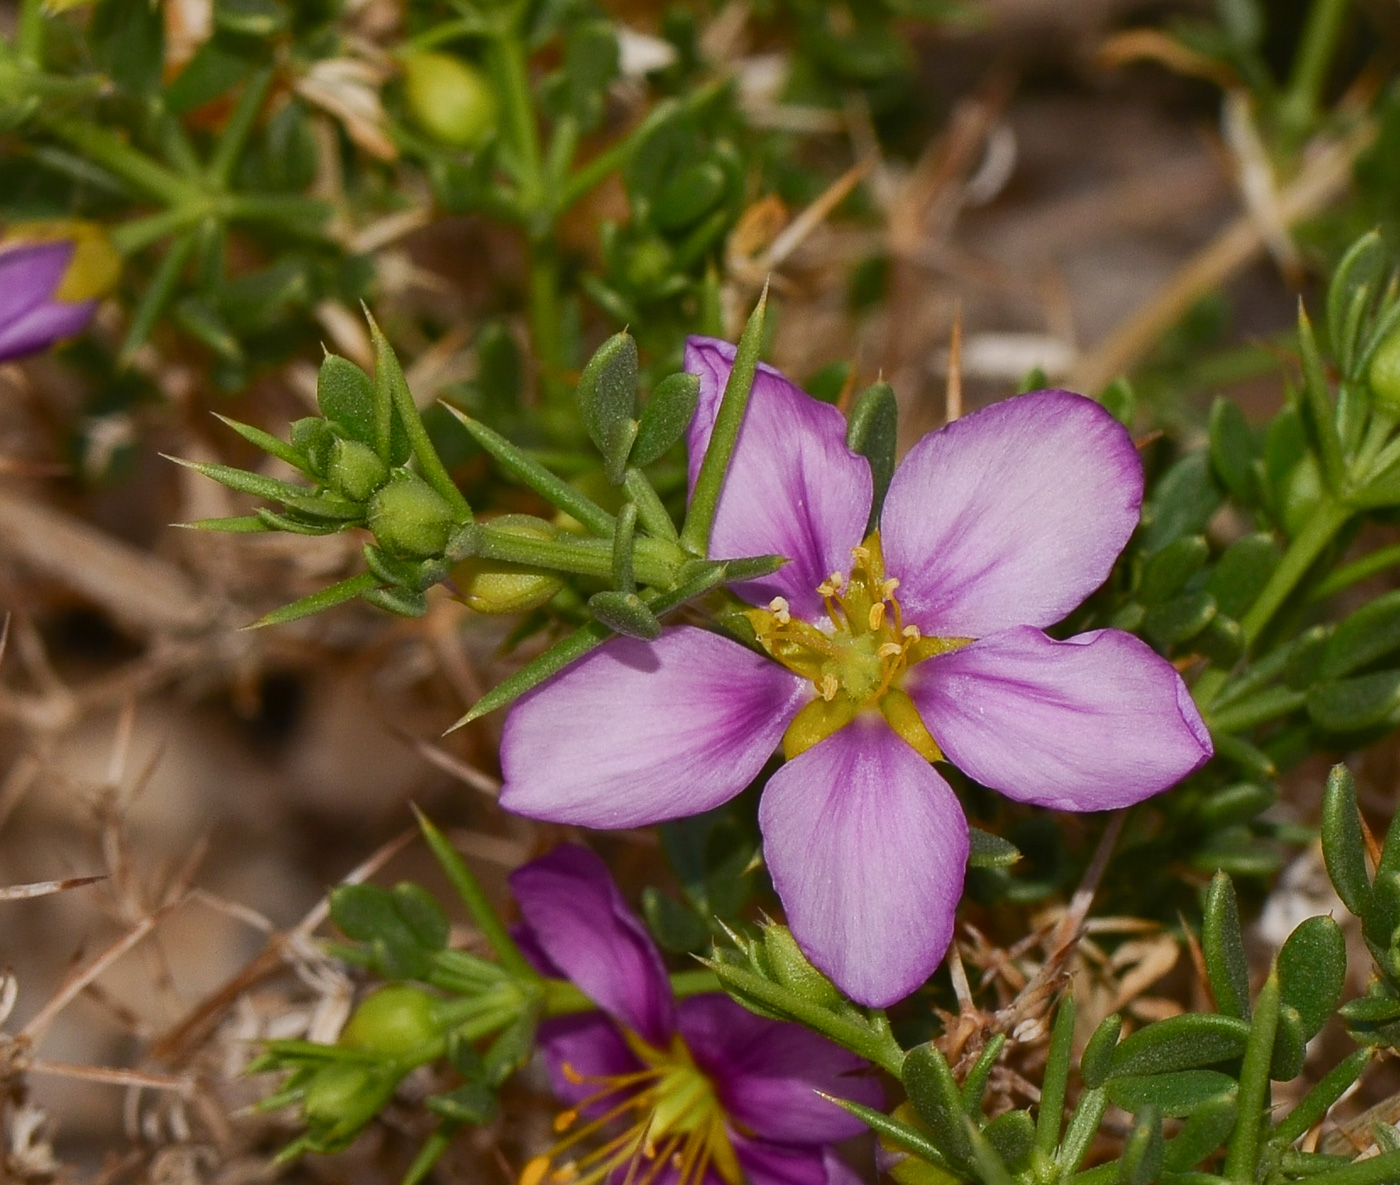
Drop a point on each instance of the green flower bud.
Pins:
(1383, 374)
(333, 1093)
(449, 99)
(355, 470)
(791, 968)
(493, 586)
(409, 518)
(397, 1021)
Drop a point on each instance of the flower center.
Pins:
(856, 658)
(671, 1116)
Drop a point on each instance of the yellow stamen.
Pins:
(876, 616)
(779, 608)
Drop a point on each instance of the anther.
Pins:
(877, 615)
(913, 633)
(572, 1075)
(887, 589)
(829, 687)
(780, 609)
(890, 650)
(565, 1120)
(861, 555)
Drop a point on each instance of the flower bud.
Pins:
(51, 273)
(449, 99)
(791, 968)
(397, 1021)
(1383, 374)
(493, 586)
(93, 269)
(355, 470)
(409, 518)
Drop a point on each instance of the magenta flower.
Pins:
(33, 311)
(697, 1093)
(880, 656)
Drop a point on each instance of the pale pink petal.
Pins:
(637, 732)
(867, 847)
(793, 488)
(1090, 724)
(1011, 515)
(768, 1073)
(574, 915)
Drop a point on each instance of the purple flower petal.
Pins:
(579, 920)
(592, 1048)
(867, 846)
(637, 732)
(1090, 724)
(1011, 515)
(43, 325)
(30, 275)
(768, 1073)
(776, 1164)
(793, 488)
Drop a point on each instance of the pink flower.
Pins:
(695, 1092)
(875, 659)
(51, 274)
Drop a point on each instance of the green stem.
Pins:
(1379, 1170)
(653, 561)
(1321, 528)
(466, 26)
(474, 897)
(1316, 50)
(157, 295)
(1242, 1159)
(595, 171)
(650, 511)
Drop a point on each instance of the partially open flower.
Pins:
(878, 657)
(51, 275)
(662, 1092)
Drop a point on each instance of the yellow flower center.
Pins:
(856, 658)
(672, 1116)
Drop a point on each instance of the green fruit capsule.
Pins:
(494, 586)
(409, 518)
(396, 1021)
(449, 99)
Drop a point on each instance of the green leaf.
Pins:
(1177, 1094)
(1241, 573)
(1055, 1078)
(1167, 572)
(1312, 968)
(1357, 274)
(975, 1084)
(607, 398)
(665, 417)
(1012, 1136)
(1361, 702)
(422, 914)
(317, 602)
(1141, 1161)
(1319, 1100)
(345, 395)
(935, 1096)
(1097, 1059)
(625, 613)
(1180, 1043)
(1322, 415)
(1179, 620)
(1205, 1130)
(903, 1135)
(675, 926)
(1372, 632)
(1223, 946)
(873, 432)
(695, 535)
(1232, 450)
(1290, 1046)
(991, 851)
(1183, 502)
